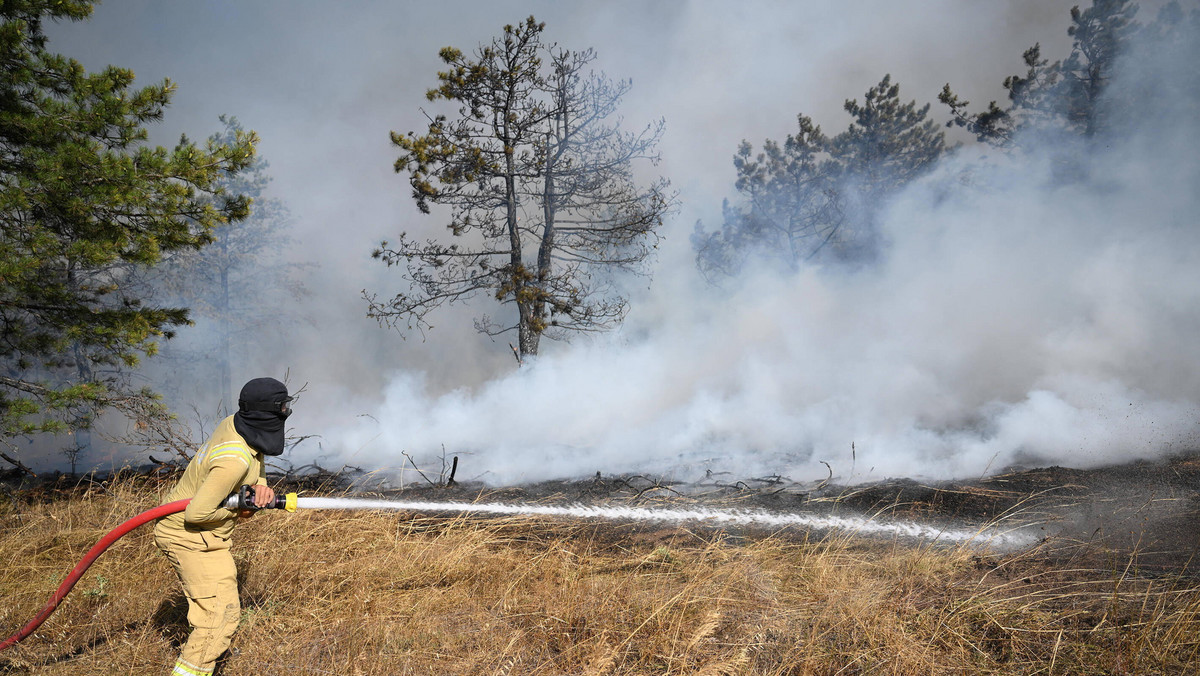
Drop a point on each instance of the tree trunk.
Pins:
(80, 432)
(546, 247)
(527, 338)
(225, 356)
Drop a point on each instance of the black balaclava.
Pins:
(262, 409)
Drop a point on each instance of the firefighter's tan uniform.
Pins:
(196, 542)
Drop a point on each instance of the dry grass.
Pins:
(379, 593)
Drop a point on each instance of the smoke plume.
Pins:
(1016, 318)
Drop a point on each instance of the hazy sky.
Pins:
(892, 361)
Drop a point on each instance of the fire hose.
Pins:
(243, 499)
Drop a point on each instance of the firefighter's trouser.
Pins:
(209, 577)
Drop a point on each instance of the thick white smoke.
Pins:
(1015, 318)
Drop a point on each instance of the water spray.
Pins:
(243, 499)
(715, 517)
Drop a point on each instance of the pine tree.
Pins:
(1099, 34)
(818, 196)
(791, 207)
(84, 201)
(539, 184)
(1068, 94)
(888, 145)
(238, 288)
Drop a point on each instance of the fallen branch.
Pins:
(828, 478)
(655, 484)
(18, 464)
(414, 464)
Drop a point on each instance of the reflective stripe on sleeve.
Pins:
(230, 449)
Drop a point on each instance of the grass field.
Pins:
(392, 593)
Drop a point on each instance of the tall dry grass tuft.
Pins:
(369, 593)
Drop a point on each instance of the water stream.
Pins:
(721, 517)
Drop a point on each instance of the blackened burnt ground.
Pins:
(1142, 517)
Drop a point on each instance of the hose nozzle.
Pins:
(244, 499)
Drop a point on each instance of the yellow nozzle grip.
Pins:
(289, 502)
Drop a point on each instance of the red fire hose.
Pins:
(92, 555)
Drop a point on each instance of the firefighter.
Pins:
(196, 541)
